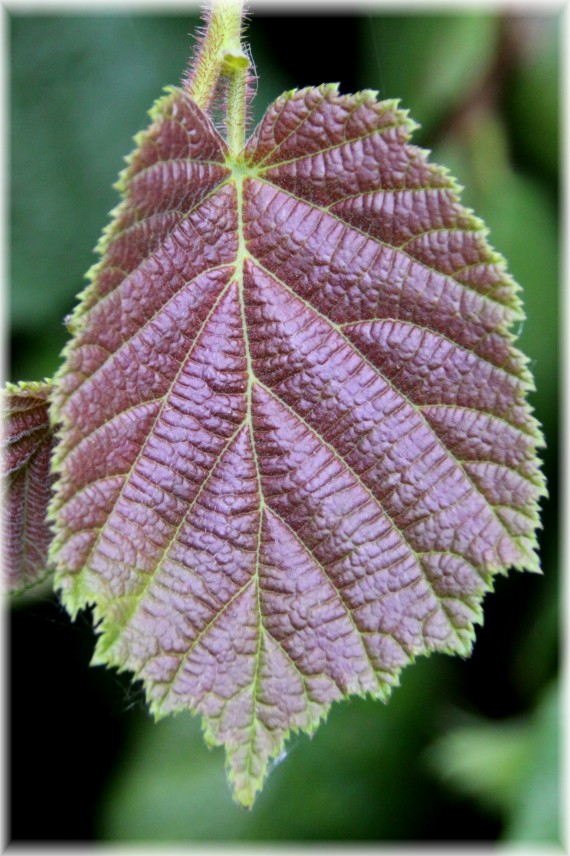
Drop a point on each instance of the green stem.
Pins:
(221, 55)
(236, 108)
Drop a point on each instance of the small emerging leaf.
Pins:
(295, 446)
(26, 449)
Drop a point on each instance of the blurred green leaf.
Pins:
(483, 760)
(430, 62)
(536, 813)
(510, 767)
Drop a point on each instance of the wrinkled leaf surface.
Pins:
(27, 442)
(295, 446)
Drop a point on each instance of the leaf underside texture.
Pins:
(294, 443)
(27, 443)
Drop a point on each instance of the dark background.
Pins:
(465, 750)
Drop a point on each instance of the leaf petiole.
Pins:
(221, 59)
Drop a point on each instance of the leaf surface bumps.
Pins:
(26, 449)
(295, 446)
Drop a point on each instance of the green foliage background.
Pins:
(465, 750)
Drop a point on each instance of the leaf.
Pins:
(294, 444)
(447, 56)
(26, 446)
(510, 766)
(484, 759)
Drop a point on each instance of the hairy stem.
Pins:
(236, 105)
(221, 55)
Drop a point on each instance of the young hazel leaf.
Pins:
(294, 444)
(26, 451)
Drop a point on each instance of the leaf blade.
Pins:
(285, 505)
(26, 450)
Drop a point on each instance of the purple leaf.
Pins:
(295, 445)
(26, 450)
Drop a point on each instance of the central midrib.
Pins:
(241, 255)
